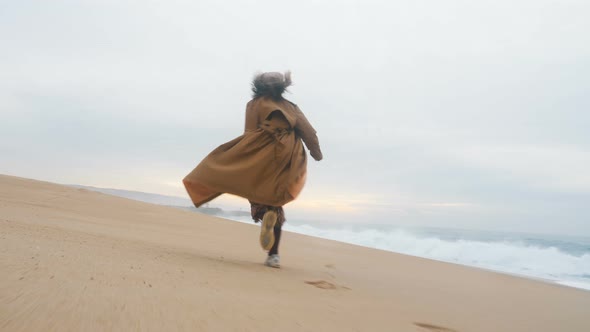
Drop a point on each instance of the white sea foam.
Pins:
(515, 257)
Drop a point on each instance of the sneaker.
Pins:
(267, 235)
(273, 261)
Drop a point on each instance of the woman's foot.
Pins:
(273, 261)
(267, 237)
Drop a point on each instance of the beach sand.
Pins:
(76, 260)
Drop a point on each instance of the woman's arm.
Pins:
(308, 134)
(251, 118)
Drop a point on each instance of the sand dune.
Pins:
(75, 260)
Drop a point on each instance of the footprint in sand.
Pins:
(322, 284)
(434, 328)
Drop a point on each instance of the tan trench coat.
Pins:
(267, 164)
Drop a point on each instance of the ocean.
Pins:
(560, 259)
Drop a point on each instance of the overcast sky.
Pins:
(471, 114)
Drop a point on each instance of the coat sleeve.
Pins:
(251, 118)
(308, 134)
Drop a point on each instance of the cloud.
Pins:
(440, 113)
